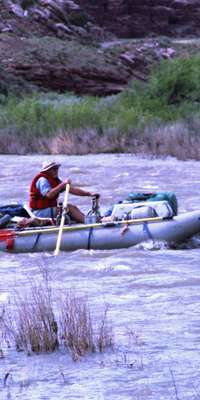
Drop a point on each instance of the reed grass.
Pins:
(174, 384)
(1, 333)
(33, 327)
(77, 328)
(105, 336)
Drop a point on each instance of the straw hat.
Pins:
(47, 165)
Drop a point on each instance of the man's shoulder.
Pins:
(43, 183)
(42, 179)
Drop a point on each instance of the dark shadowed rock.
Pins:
(140, 18)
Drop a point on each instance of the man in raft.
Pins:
(44, 192)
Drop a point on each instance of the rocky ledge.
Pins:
(58, 45)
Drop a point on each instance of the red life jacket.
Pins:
(36, 200)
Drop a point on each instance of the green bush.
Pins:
(171, 93)
(43, 117)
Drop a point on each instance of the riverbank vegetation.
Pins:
(160, 117)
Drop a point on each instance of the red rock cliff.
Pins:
(139, 18)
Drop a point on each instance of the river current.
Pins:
(152, 291)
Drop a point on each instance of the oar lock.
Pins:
(60, 212)
(93, 215)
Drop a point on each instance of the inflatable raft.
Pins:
(103, 235)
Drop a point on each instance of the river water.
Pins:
(153, 292)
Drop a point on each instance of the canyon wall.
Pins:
(141, 18)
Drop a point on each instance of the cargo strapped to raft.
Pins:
(170, 197)
(141, 205)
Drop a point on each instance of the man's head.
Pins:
(51, 168)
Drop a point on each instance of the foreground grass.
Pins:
(161, 117)
(36, 324)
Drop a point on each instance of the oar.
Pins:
(62, 221)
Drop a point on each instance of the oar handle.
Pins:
(62, 221)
